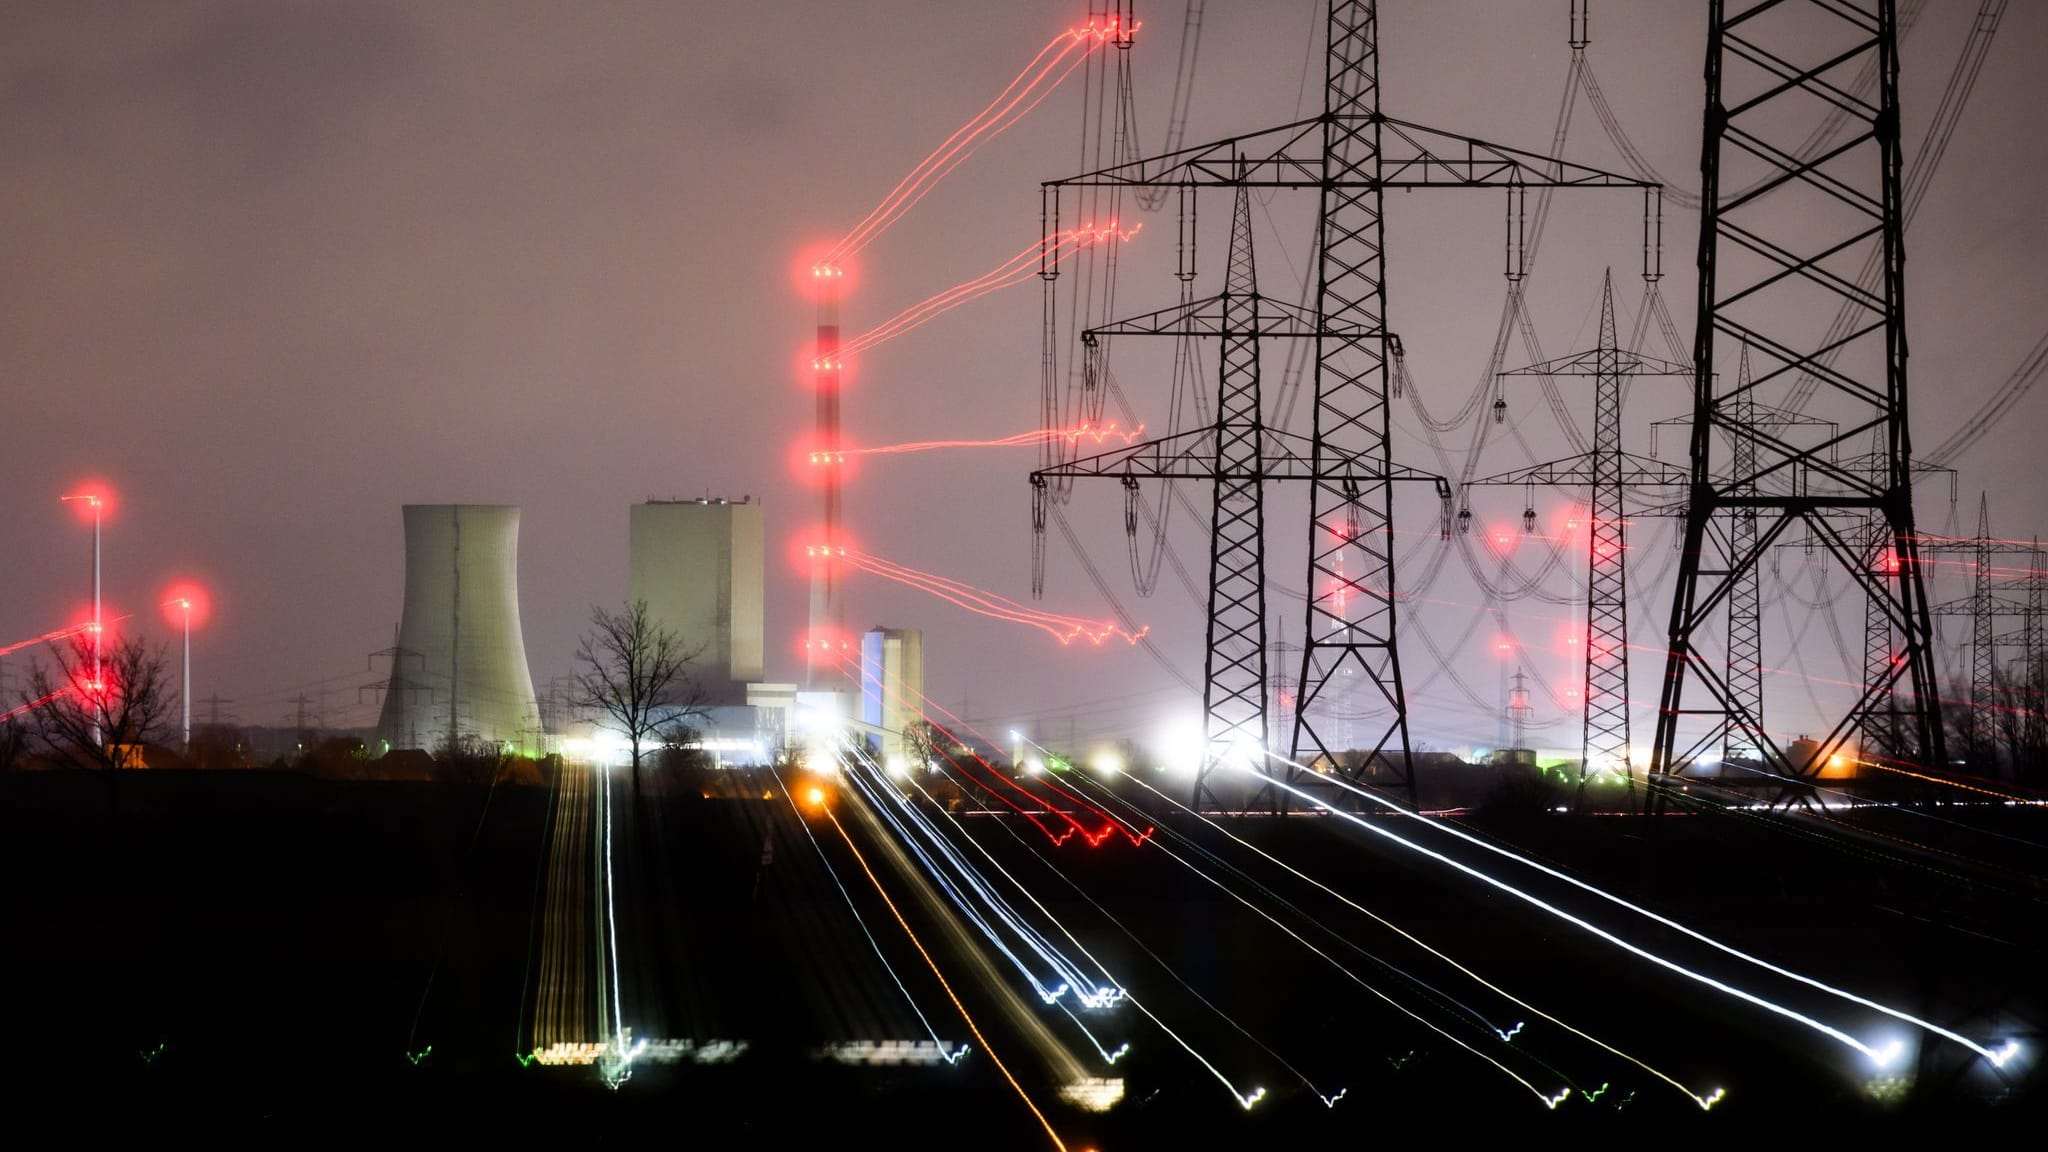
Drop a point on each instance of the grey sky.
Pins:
(276, 268)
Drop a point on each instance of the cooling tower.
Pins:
(459, 672)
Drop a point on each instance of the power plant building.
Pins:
(459, 670)
(892, 685)
(698, 565)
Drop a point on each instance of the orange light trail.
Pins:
(1101, 435)
(1065, 629)
(941, 977)
(1068, 51)
(1952, 783)
(1054, 248)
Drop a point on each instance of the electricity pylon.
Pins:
(1350, 154)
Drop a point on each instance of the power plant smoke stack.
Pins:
(465, 674)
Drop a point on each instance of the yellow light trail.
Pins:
(1951, 783)
(941, 976)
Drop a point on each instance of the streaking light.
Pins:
(1030, 87)
(1088, 432)
(1065, 629)
(941, 977)
(1093, 1094)
(1554, 910)
(1043, 254)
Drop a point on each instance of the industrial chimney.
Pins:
(460, 670)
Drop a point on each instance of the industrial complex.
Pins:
(459, 675)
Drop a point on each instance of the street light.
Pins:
(97, 502)
(184, 603)
(187, 603)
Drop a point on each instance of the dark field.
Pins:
(215, 952)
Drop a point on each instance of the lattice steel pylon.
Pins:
(1988, 599)
(1768, 259)
(1610, 473)
(1350, 155)
(1234, 669)
(2031, 637)
(1232, 454)
(1745, 661)
(1877, 722)
(1744, 658)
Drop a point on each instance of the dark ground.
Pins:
(235, 951)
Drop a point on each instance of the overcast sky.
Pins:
(274, 269)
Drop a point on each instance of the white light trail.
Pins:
(1131, 998)
(1506, 1037)
(1878, 1056)
(945, 1050)
(1355, 977)
(957, 877)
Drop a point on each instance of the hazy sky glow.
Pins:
(275, 268)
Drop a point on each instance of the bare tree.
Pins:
(636, 672)
(101, 720)
(13, 743)
(924, 742)
(1972, 738)
(2023, 721)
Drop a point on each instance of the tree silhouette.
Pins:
(100, 720)
(636, 672)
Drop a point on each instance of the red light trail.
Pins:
(1046, 252)
(1067, 51)
(1065, 629)
(46, 638)
(925, 706)
(1101, 435)
(30, 706)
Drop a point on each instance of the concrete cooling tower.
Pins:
(459, 671)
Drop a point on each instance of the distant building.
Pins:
(698, 565)
(459, 670)
(892, 685)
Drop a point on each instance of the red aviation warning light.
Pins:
(812, 274)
